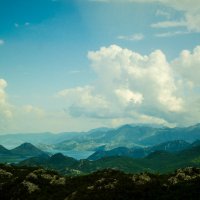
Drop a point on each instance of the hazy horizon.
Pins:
(76, 65)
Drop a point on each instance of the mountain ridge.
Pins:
(130, 136)
(158, 162)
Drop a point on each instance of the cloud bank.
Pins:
(139, 88)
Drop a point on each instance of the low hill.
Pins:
(27, 149)
(19, 153)
(57, 162)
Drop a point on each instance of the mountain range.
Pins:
(157, 161)
(129, 136)
(164, 157)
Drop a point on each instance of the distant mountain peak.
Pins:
(27, 149)
(58, 155)
(26, 145)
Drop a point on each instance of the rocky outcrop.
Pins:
(31, 187)
(141, 179)
(186, 174)
(5, 174)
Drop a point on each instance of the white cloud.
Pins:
(4, 106)
(191, 13)
(193, 21)
(33, 109)
(134, 37)
(190, 9)
(191, 18)
(31, 118)
(188, 66)
(169, 24)
(1, 42)
(183, 4)
(129, 87)
(113, 65)
(128, 96)
(171, 34)
(83, 104)
(15, 118)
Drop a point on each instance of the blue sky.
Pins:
(59, 58)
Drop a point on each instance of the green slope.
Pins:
(159, 162)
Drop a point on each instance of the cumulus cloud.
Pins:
(82, 98)
(32, 118)
(4, 106)
(187, 68)
(142, 74)
(138, 88)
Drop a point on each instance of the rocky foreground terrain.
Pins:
(24, 183)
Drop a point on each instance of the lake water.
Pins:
(74, 154)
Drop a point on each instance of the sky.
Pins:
(75, 65)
